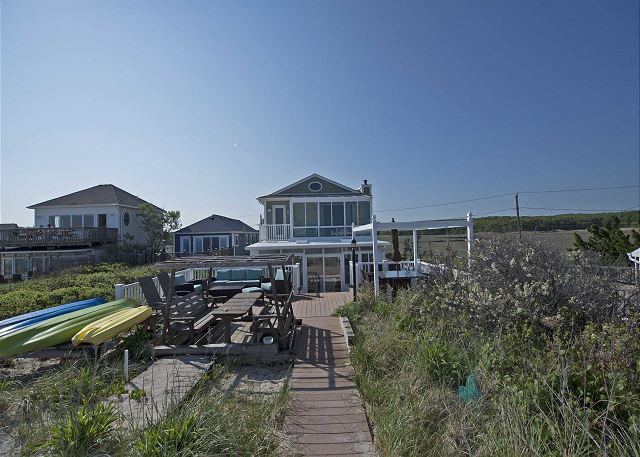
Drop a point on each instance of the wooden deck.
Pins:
(326, 415)
(320, 306)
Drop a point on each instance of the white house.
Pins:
(71, 229)
(104, 205)
(312, 219)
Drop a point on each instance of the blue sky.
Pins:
(202, 106)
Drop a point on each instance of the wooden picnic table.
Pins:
(235, 308)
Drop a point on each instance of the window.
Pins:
(337, 211)
(298, 215)
(312, 214)
(52, 221)
(305, 232)
(325, 214)
(364, 213)
(76, 220)
(102, 220)
(210, 243)
(236, 239)
(21, 265)
(315, 186)
(65, 221)
(8, 266)
(88, 220)
(126, 218)
(351, 210)
(331, 231)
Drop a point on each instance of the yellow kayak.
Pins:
(106, 328)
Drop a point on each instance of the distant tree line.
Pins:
(577, 221)
(556, 222)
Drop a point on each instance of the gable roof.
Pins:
(217, 224)
(102, 194)
(333, 188)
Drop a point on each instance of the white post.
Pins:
(119, 291)
(374, 236)
(415, 251)
(469, 236)
(126, 365)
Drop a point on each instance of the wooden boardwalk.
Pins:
(165, 383)
(322, 306)
(326, 416)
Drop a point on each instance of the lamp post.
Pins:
(353, 262)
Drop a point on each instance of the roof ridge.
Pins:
(99, 194)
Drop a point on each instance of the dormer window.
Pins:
(315, 186)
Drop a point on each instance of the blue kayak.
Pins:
(12, 324)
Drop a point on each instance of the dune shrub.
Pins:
(555, 356)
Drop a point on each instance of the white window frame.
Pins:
(221, 245)
(338, 199)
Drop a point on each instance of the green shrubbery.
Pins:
(81, 432)
(70, 285)
(556, 357)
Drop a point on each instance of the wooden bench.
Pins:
(192, 309)
(278, 324)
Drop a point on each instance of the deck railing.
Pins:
(275, 232)
(134, 290)
(423, 267)
(28, 237)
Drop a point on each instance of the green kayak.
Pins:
(57, 330)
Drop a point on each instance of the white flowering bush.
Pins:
(512, 284)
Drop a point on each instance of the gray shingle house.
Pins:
(215, 233)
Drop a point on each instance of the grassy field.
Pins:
(434, 246)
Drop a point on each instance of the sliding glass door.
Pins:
(323, 274)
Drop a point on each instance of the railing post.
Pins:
(119, 291)
(469, 238)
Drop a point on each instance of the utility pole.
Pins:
(518, 216)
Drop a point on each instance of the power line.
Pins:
(493, 212)
(445, 204)
(578, 190)
(584, 189)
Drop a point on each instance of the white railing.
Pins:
(296, 279)
(275, 232)
(134, 290)
(423, 267)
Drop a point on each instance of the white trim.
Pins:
(376, 227)
(331, 198)
(314, 182)
(210, 233)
